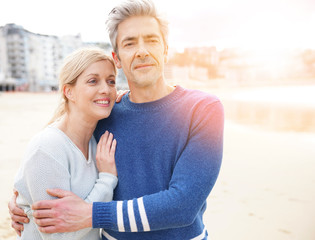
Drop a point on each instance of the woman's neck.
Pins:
(78, 130)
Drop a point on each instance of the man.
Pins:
(169, 145)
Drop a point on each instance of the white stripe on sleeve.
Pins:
(120, 217)
(143, 215)
(201, 236)
(109, 237)
(131, 215)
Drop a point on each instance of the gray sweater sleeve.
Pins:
(43, 171)
(103, 188)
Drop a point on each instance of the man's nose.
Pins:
(142, 51)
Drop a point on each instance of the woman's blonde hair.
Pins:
(72, 67)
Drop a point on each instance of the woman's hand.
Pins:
(105, 154)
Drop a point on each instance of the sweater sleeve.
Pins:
(194, 175)
(42, 171)
(103, 189)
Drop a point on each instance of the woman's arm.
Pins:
(42, 171)
(105, 161)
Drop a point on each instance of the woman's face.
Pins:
(94, 94)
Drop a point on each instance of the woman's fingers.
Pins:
(105, 156)
(113, 148)
(109, 143)
(100, 145)
(105, 139)
(106, 146)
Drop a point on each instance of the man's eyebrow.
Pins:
(151, 36)
(128, 39)
(145, 37)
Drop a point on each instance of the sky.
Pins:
(253, 24)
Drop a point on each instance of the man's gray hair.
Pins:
(132, 8)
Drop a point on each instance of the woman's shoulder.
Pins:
(50, 140)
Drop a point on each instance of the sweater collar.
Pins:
(154, 105)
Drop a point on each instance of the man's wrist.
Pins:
(89, 216)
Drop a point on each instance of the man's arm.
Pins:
(194, 176)
(69, 213)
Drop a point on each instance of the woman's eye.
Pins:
(92, 81)
(111, 82)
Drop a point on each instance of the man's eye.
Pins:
(129, 44)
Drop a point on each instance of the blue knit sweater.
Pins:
(168, 158)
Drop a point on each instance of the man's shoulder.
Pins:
(199, 96)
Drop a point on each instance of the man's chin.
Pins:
(144, 82)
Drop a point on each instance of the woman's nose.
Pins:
(104, 88)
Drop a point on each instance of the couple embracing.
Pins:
(138, 169)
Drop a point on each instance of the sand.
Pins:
(265, 189)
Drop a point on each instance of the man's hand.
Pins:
(120, 94)
(69, 213)
(17, 215)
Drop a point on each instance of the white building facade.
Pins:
(30, 61)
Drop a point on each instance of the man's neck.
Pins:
(149, 94)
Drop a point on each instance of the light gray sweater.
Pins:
(52, 160)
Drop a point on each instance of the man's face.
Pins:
(141, 51)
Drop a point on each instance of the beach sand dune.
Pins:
(265, 189)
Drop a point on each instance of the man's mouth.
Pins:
(140, 66)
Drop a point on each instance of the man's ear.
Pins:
(116, 59)
(166, 54)
(67, 91)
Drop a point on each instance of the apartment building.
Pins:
(30, 61)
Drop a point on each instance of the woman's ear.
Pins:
(67, 91)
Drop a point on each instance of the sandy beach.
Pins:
(265, 189)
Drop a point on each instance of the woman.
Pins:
(65, 154)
